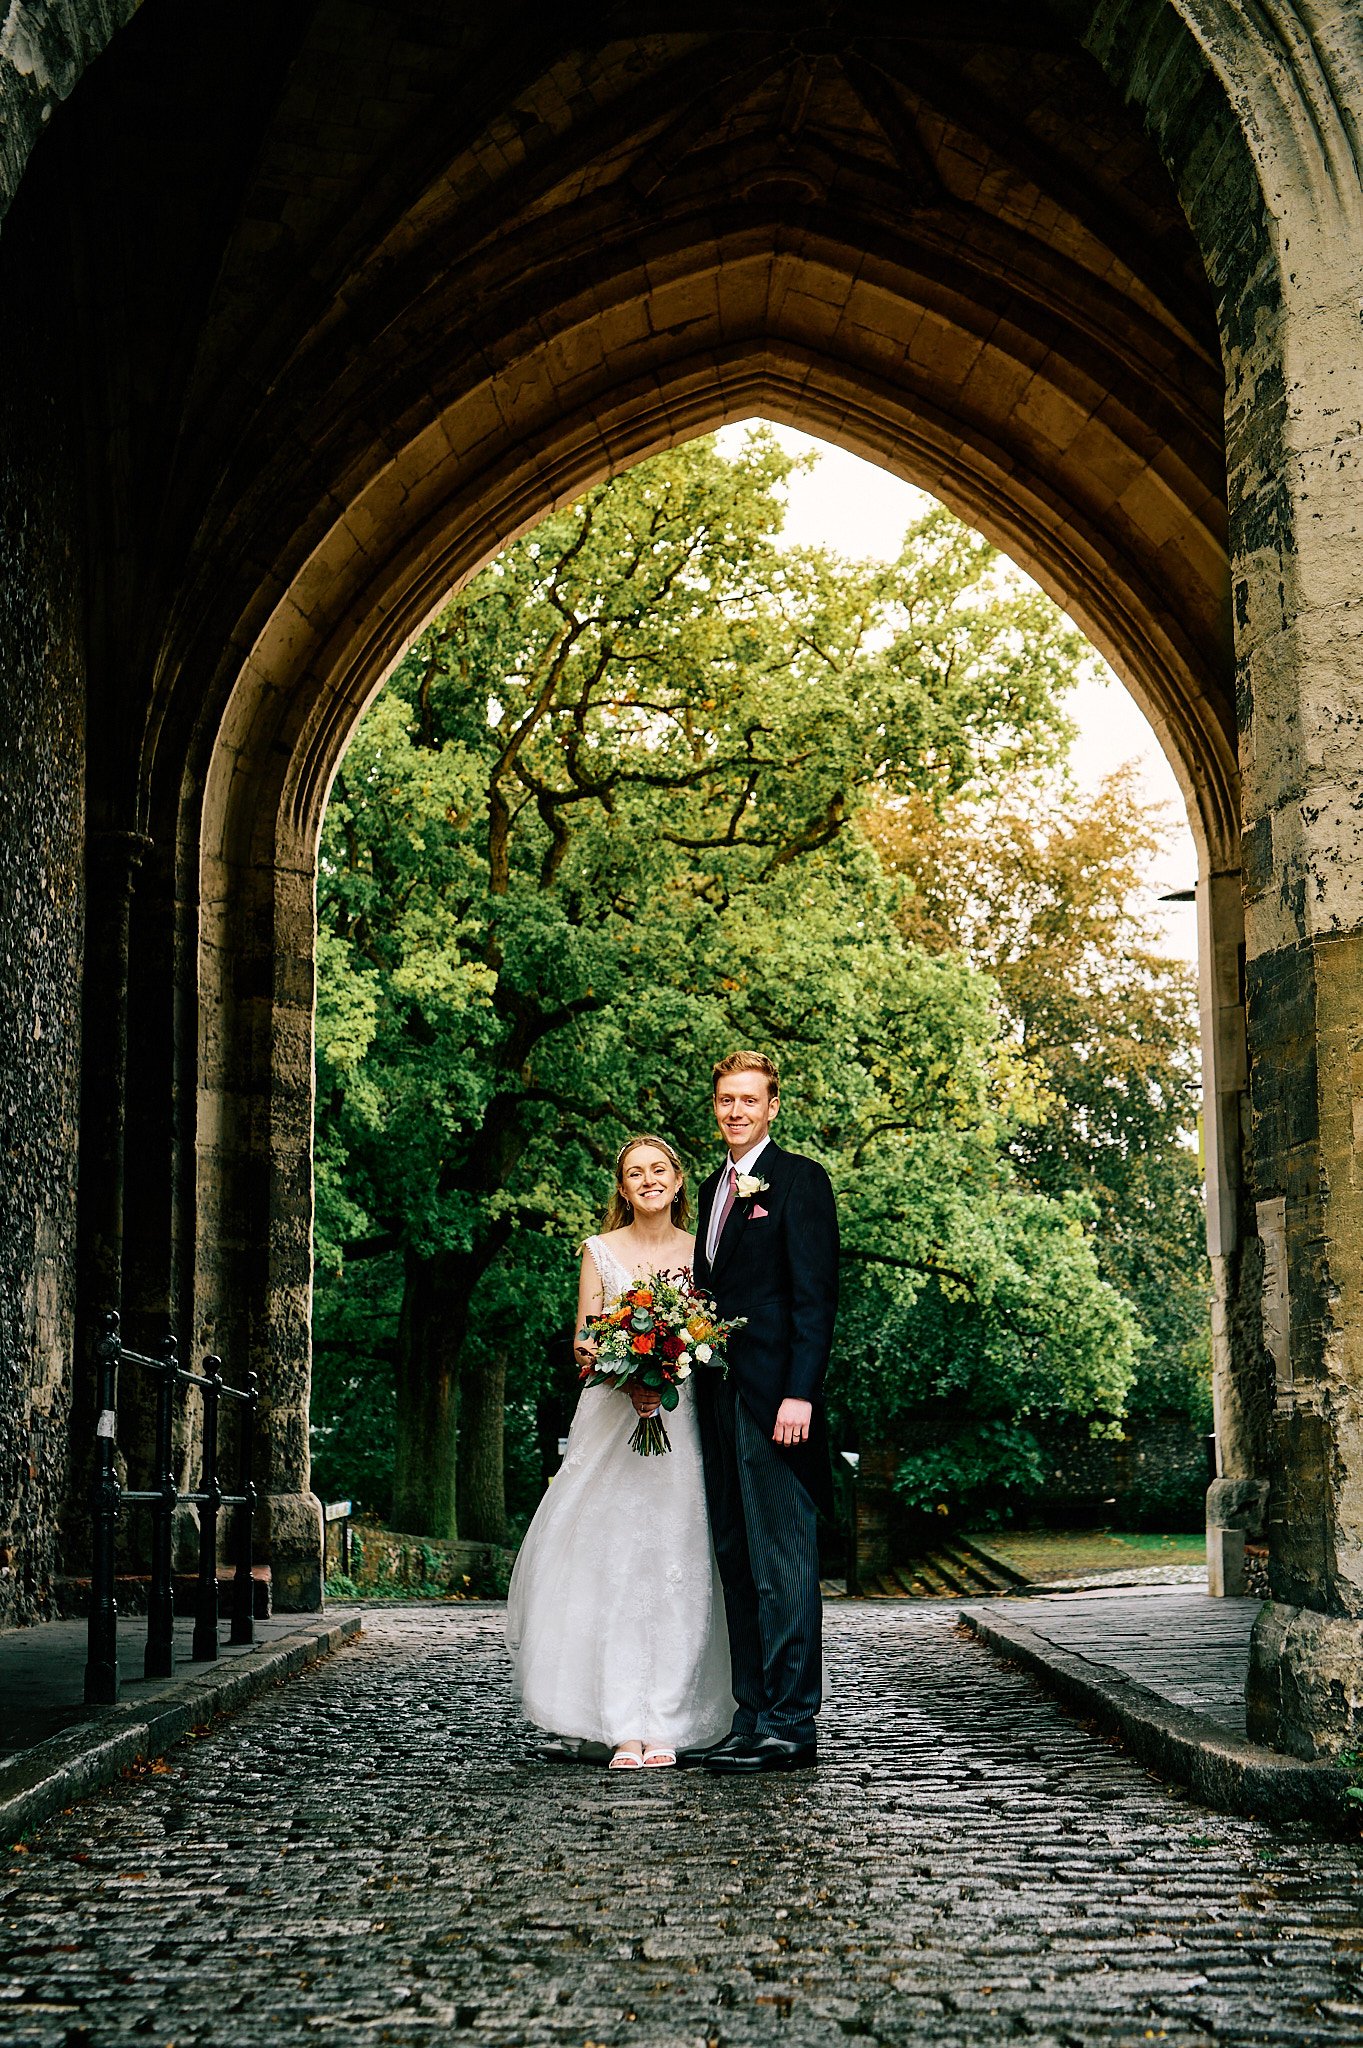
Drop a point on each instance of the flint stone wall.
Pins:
(42, 740)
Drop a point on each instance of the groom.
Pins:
(767, 1250)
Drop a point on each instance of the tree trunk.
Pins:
(482, 1470)
(430, 1339)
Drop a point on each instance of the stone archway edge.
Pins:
(1219, 1767)
(40, 1781)
(413, 327)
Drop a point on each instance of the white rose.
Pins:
(704, 1353)
(684, 1359)
(682, 1368)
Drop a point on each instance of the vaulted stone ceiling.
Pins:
(308, 241)
(413, 206)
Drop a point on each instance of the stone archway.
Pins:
(338, 316)
(1074, 420)
(283, 736)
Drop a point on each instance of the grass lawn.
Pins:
(1066, 1553)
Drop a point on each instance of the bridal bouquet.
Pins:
(651, 1336)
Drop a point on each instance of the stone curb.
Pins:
(41, 1781)
(1218, 1767)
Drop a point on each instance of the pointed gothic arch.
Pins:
(301, 325)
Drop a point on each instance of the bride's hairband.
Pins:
(662, 1145)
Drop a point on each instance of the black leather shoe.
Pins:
(766, 1753)
(688, 1759)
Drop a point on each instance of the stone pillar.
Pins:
(112, 862)
(1300, 648)
(111, 866)
(253, 1255)
(281, 1345)
(873, 1512)
(1237, 1497)
(158, 1220)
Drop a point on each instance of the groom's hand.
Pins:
(792, 1422)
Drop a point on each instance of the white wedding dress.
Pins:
(615, 1614)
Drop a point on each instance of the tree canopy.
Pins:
(627, 803)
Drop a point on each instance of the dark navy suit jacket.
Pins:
(779, 1270)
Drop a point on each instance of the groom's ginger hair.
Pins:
(746, 1063)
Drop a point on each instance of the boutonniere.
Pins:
(751, 1184)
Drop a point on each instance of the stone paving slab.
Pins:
(371, 1855)
(1165, 1669)
(1181, 1643)
(54, 1748)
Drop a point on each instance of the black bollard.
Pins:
(101, 1668)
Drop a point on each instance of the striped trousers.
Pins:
(766, 1542)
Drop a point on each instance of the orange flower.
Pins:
(642, 1297)
(644, 1341)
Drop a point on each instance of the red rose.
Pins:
(672, 1347)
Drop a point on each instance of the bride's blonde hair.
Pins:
(620, 1212)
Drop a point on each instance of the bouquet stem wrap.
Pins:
(650, 1438)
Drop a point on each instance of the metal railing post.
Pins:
(243, 1587)
(101, 1668)
(159, 1661)
(109, 1497)
(206, 1595)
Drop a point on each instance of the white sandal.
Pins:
(659, 1759)
(625, 1760)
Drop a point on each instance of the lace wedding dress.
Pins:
(615, 1615)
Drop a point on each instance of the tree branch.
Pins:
(375, 1247)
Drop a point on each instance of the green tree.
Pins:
(602, 824)
(1043, 889)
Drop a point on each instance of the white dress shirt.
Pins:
(743, 1165)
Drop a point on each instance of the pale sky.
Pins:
(861, 510)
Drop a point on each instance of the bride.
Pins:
(615, 1617)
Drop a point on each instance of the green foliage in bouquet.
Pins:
(651, 1336)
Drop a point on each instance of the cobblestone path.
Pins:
(367, 1856)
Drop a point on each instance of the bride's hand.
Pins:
(584, 1351)
(645, 1400)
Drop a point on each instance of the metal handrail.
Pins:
(101, 1670)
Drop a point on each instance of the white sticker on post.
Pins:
(105, 1425)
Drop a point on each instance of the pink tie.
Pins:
(721, 1215)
